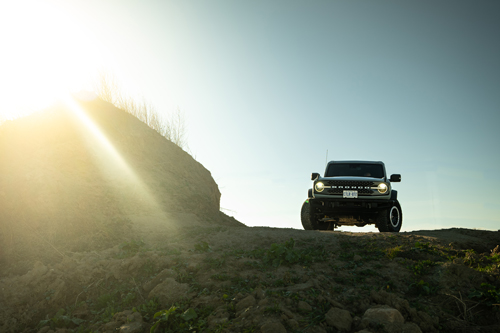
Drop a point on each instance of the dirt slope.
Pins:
(233, 279)
(82, 173)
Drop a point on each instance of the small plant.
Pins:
(275, 309)
(161, 317)
(390, 286)
(215, 262)
(147, 310)
(423, 246)
(470, 257)
(393, 252)
(489, 294)
(61, 320)
(280, 254)
(420, 288)
(202, 247)
(220, 277)
(422, 267)
(177, 322)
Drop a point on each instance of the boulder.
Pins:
(390, 318)
(245, 303)
(169, 291)
(339, 318)
(304, 307)
(273, 327)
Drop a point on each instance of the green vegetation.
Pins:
(179, 322)
(287, 254)
(61, 320)
(393, 252)
(488, 294)
(422, 267)
(202, 247)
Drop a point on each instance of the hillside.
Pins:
(106, 226)
(86, 174)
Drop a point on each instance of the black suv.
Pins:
(352, 193)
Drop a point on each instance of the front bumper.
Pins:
(348, 211)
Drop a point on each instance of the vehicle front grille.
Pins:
(338, 186)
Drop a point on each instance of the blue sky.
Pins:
(267, 87)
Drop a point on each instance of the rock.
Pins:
(259, 293)
(166, 273)
(264, 302)
(275, 327)
(219, 316)
(38, 271)
(426, 322)
(334, 303)
(383, 315)
(287, 312)
(411, 328)
(44, 329)
(111, 326)
(339, 318)
(169, 291)
(384, 298)
(294, 324)
(316, 329)
(301, 286)
(127, 316)
(304, 307)
(245, 303)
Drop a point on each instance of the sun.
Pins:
(45, 55)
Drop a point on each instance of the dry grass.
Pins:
(173, 127)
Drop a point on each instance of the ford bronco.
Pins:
(353, 193)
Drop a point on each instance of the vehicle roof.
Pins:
(359, 162)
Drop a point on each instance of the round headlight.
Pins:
(382, 187)
(319, 186)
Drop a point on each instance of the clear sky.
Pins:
(267, 87)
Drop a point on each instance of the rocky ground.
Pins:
(240, 279)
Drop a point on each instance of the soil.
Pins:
(241, 279)
(84, 250)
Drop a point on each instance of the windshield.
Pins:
(355, 170)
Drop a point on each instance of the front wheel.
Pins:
(390, 220)
(309, 222)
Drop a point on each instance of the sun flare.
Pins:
(45, 56)
(111, 162)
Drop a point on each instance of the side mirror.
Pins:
(314, 176)
(395, 178)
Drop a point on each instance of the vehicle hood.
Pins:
(366, 179)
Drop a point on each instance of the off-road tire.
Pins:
(390, 220)
(307, 221)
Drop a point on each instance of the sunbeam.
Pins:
(111, 162)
